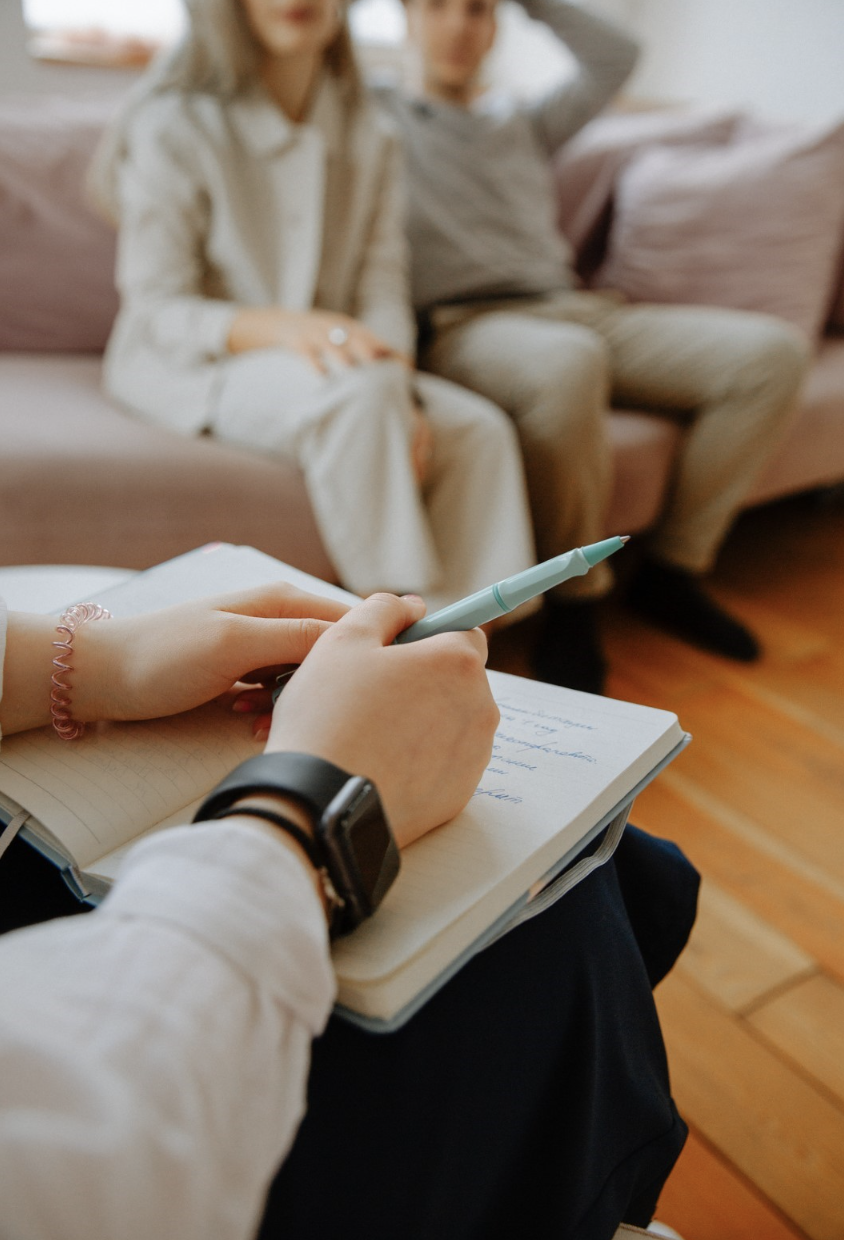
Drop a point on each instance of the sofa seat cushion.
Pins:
(643, 446)
(812, 454)
(83, 482)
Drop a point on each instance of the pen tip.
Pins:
(624, 537)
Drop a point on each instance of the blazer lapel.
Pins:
(359, 169)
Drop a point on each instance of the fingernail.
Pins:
(242, 706)
(414, 598)
(262, 734)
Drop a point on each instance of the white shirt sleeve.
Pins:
(163, 237)
(154, 1053)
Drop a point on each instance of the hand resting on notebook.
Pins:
(164, 662)
(417, 720)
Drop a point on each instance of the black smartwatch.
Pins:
(352, 840)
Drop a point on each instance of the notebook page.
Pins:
(561, 760)
(118, 780)
(214, 569)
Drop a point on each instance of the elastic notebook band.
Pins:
(71, 620)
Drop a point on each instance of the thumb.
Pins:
(382, 617)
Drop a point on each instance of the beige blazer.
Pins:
(227, 204)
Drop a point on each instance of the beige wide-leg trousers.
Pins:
(350, 432)
(555, 364)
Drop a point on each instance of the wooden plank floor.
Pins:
(754, 1012)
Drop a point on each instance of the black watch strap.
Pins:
(311, 782)
(352, 847)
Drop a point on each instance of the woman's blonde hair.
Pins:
(217, 55)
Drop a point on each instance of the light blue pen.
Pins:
(504, 596)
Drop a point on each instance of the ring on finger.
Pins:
(338, 336)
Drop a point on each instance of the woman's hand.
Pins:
(418, 720)
(143, 667)
(319, 336)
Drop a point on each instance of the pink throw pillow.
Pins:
(586, 168)
(56, 255)
(755, 225)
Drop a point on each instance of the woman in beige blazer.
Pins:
(262, 273)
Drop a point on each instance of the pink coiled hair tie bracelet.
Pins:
(66, 727)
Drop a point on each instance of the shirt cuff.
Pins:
(246, 897)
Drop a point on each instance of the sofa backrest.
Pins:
(56, 254)
(707, 208)
(587, 168)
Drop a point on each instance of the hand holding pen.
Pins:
(503, 596)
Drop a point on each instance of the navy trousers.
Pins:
(530, 1095)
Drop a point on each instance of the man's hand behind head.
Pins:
(418, 720)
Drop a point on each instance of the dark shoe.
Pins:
(568, 646)
(674, 600)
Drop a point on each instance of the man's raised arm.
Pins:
(605, 57)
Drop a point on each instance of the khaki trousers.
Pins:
(350, 432)
(555, 364)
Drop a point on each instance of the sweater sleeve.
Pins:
(154, 1054)
(605, 57)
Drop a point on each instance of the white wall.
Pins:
(19, 74)
(528, 59)
(779, 57)
(783, 58)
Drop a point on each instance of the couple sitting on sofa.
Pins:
(262, 268)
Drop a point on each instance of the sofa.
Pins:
(83, 481)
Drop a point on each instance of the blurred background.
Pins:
(780, 57)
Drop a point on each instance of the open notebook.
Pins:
(565, 765)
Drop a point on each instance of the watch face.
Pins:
(364, 839)
(368, 838)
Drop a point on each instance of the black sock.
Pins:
(674, 599)
(568, 646)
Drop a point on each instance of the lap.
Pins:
(507, 336)
(270, 397)
(532, 1091)
(683, 356)
(666, 356)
